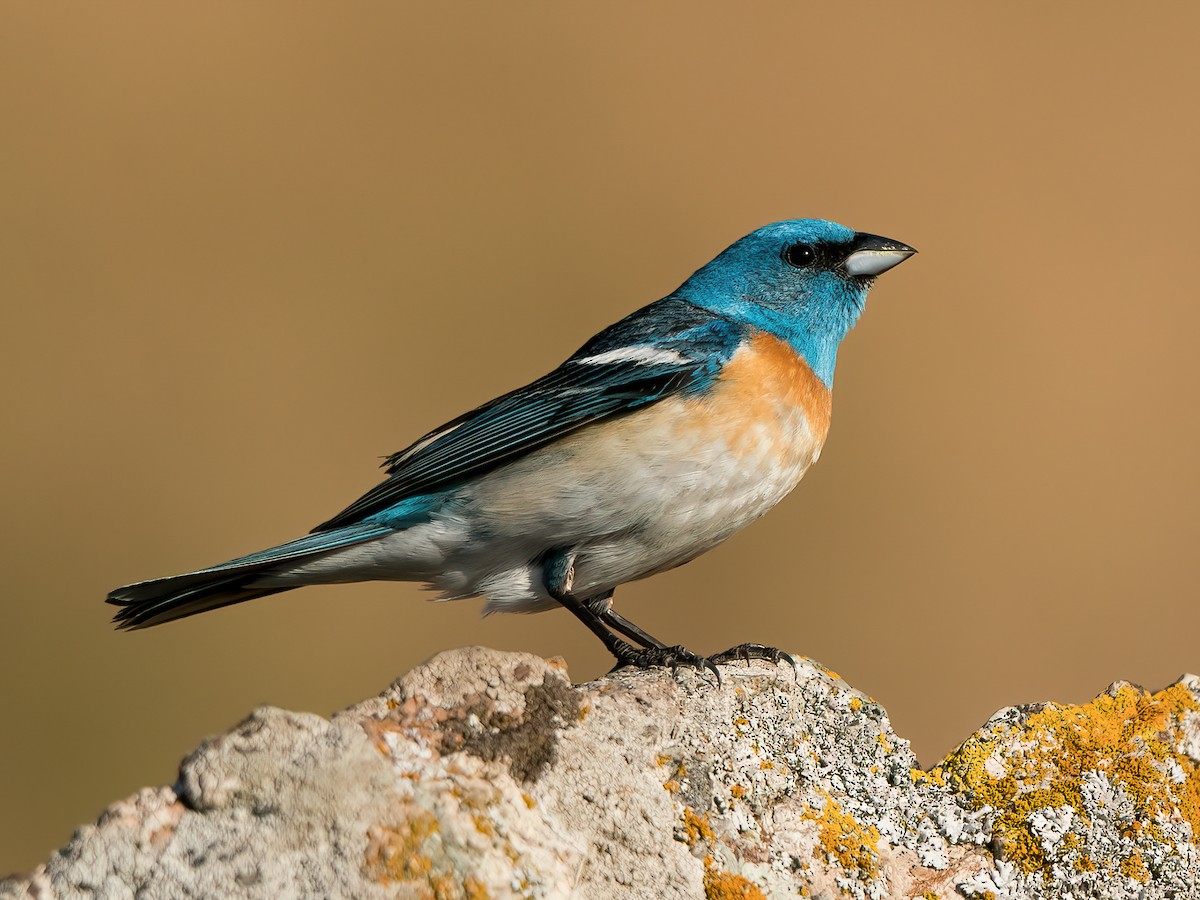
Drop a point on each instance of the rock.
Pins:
(486, 774)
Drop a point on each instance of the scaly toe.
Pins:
(665, 657)
(747, 652)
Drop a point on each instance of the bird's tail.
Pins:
(166, 599)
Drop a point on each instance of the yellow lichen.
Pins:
(401, 854)
(1127, 734)
(395, 853)
(443, 887)
(930, 895)
(1135, 867)
(919, 775)
(855, 704)
(727, 886)
(447, 887)
(737, 791)
(697, 827)
(674, 784)
(1081, 861)
(530, 803)
(828, 671)
(484, 825)
(852, 846)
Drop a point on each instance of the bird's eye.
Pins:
(800, 255)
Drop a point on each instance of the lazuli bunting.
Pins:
(654, 442)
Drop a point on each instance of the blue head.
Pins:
(805, 281)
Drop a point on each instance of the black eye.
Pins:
(800, 255)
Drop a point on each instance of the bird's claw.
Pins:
(747, 652)
(667, 657)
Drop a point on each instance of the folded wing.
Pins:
(668, 348)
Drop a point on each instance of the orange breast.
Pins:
(764, 386)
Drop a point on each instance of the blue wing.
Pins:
(667, 348)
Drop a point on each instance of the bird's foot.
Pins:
(652, 657)
(747, 652)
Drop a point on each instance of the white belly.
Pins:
(638, 496)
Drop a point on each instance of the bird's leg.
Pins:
(559, 575)
(602, 605)
(621, 625)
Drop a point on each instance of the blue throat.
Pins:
(813, 323)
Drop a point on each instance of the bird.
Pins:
(658, 439)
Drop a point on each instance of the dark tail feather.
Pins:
(166, 599)
(155, 602)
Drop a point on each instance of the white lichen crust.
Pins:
(486, 774)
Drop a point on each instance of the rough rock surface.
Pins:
(486, 774)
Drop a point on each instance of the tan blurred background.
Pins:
(246, 249)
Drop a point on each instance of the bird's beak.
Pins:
(872, 255)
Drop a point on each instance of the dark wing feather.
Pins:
(571, 397)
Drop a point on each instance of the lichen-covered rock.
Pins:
(485, 774)
(1096, 800)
